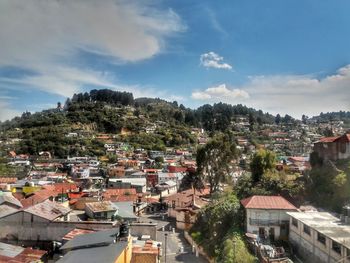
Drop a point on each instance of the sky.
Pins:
(288, 57)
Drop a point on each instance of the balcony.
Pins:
(267, 222)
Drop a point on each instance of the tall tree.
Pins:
(213, 160)
(262, 161)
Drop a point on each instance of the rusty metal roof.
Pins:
(101, 206)
(48, 210)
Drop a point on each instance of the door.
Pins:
(272, 234)
(261, 232)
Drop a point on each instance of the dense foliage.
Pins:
(329, 183)
(214, 159)
(266, 180)
(217, 230)
(107, 111)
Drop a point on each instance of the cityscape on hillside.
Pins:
(184, 131)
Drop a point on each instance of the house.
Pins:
(183, 206)
(104, 210)
(165, 177)
(166, 188)
(333, 148)
(32, 223)
(267, 216)
(110, 246)
(319, 237)
(128, 183)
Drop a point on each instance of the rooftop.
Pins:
(101, 206)
(99, 238)
(48, 210)
(9, 198)
(326, 224)
(267, 202)
(107, 253)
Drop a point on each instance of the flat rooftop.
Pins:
(326, 224)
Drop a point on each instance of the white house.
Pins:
(267, 216)
(320, 237)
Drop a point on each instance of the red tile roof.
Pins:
(120, 195)
(343, 138)
(38, 197)
(328, 139)
(267, 202)
(8, 180)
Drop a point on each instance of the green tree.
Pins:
(217, 229)
(213, 160)
(263, 160)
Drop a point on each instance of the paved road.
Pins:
(174, 241)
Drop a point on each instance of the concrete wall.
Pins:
(139, 229)
(185, 220)
(310, 249)
(125, 256)
(263, 215)
(198, 249)
(19, 227)
(333, 151)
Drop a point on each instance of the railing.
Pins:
(267, 222)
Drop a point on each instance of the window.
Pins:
(294, 222)
(307, 230)
(321, 238)
(336, 247)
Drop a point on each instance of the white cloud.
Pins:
(291, 94)
(45, 37)
(213, 60)
(220, 93)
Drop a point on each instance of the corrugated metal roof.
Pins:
(9, 198)
(101, 206)
(11, 251)
(267, 202)
(6, 210)
(48, 210)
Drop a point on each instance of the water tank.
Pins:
(124, 230)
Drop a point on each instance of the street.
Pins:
(177, 248)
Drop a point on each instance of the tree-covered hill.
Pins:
(107, 111)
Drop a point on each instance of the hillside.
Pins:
(144, 122)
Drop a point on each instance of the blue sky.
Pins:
(279, 56)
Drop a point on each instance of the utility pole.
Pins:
(166, 237)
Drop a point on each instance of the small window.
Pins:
(307, 230)
(321, 238)
(336, 247)
(295, 222)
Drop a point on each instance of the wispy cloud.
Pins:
(215, 23)
(213, 60)
(290, 94)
